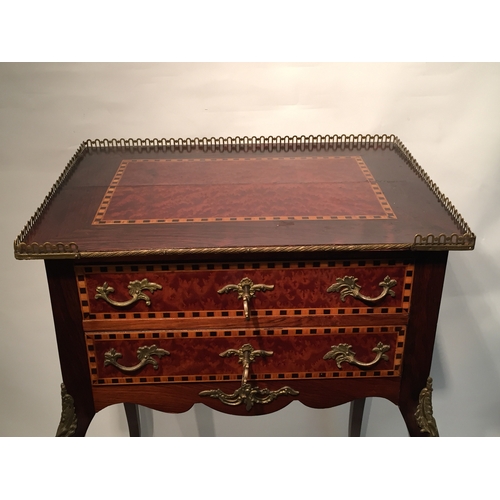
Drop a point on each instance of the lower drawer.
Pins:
(285, 354)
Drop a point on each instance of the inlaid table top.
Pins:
(177, 196)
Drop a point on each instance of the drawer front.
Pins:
(215, 290)
(286, 354)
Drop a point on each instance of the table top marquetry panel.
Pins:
(242, 189)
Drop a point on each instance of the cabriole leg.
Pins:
(133, 419)
(356, 417)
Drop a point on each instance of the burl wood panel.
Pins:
(242, 189)
(193, 289)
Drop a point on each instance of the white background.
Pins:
(447, 114)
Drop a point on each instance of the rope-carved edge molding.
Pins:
(69, 250)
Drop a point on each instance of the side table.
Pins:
(245, 273)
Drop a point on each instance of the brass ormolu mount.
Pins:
(246, 291)
(68, 423)
(246, 393)
(424, 414)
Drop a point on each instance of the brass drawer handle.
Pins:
(144, 354)
(246, 393)
(134, 289)
(342, 353)
(246, 291)
(246, 355)
(348, 286)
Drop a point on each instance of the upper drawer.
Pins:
(219, 290)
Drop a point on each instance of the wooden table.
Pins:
(245, 273)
